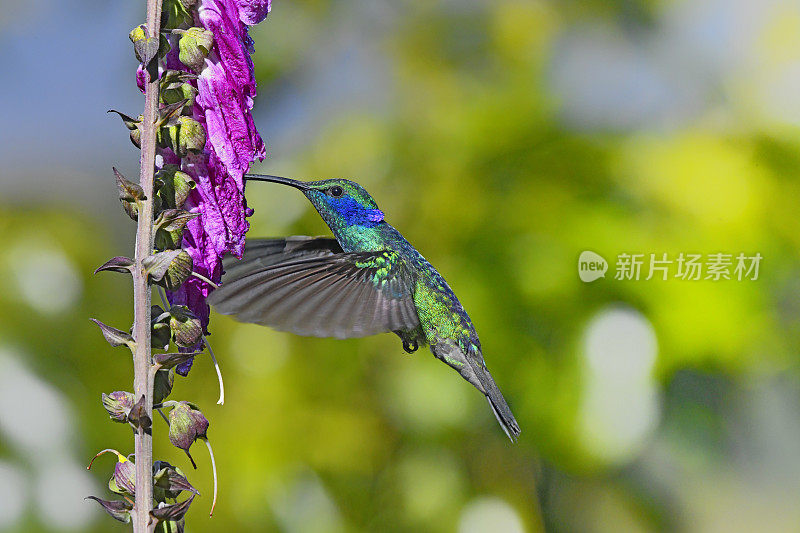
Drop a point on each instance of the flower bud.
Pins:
(169, 268)
(176, 186)
(169, 229)
(160, 334)
(118, 404)
(124, 479)
(186, 425)
(186, 328)
(186, 135)
(192, 135)
(181, 92)
(194, 46)
(125, 476)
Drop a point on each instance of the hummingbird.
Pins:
(366, 280)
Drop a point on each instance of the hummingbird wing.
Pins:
(308, 286)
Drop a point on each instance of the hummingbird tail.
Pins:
(472, 368)
(501, 410)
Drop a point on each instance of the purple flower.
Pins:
(253, 12)
(226, 88)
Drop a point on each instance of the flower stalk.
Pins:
(143, 380)
(197, 139)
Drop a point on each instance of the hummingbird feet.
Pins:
(410, 346)
(412, 339)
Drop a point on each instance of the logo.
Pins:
(591, 266)
(718, 266)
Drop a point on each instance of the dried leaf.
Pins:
(114, 336)
(169, 479)
(138, 416)
(128, 190)
(144, 47)
(162, 384)
(130, 193)
(169, 360)
(174, 219)
(172, 512)
(117, 264)
(118, 509)
(169, 114)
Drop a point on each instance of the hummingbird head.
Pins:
(341, 203)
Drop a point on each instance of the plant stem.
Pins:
(142, 360)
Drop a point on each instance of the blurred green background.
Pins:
(503, 138)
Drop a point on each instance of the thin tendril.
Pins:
(203, 278)
(214, 471)
(221, 400)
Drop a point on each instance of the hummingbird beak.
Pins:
(277, 179)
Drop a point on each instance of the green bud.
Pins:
(138, 33)
(169, 227)
(178, 272)
(185, 326)
(192, 135)
(169, 268)
(118, 404)
(186, 135)
(194, 46)
(186, 425)
(163, 46)
(176, 187)
(160, 334)
(182, 92)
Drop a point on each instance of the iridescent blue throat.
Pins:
(353, 213)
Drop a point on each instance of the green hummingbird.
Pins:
(369, 279)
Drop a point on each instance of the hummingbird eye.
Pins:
(336, 191)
